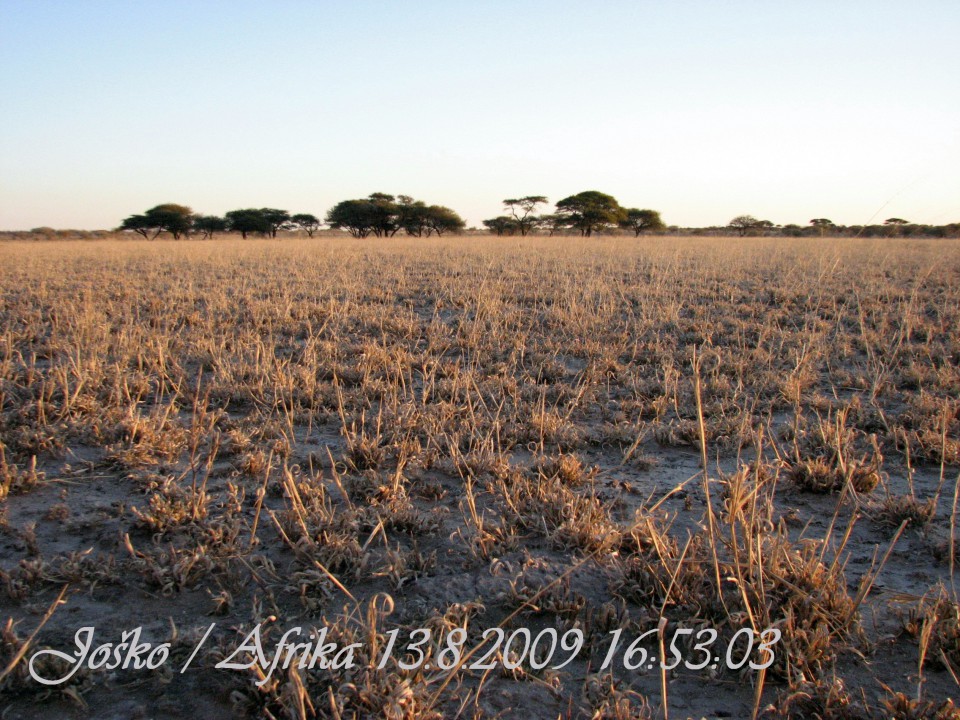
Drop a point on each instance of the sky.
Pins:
(700, 109)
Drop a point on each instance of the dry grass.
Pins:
(464, 433)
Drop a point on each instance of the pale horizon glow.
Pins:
(700, 110)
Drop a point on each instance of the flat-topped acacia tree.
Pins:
(418, 219)
(207, 225)
(521, 210)
(142, 225)
(822, 224)
(275, 219)
(743, 224)
(168, 217)
(306, 222)
(354, 216)
(590, 211)
(641, 221)
(264, 221)
(384, 215)
(501, 225)
(442, 220)
(249, 220)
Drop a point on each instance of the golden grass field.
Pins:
(473, 433)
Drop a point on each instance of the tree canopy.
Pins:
(743, 224)
(586, 212)
(413, 216)
(274, 219)
(264, 221)
(521, 211)
(442, 220)
(641, 221)
(306, 222)
(822, 224)
(384, 215)
(140, 224)
(590, 211)
(207, 225)
(168, 217)
(358, 217)
(249, 220)
(501, 225)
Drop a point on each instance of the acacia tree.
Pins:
(442, 219)
(743, 224)
(521, 210)
(306, 222)
(385, 213)
(378, 214)
(249, 220)
(553, 223)
(168, 217)
(142, 225)
(413, 216)
(822, 224)
(590, 211)
(209, 224)
(641, 221)
(502, 225)
(274, 219)
(419, 219)
(354, 216)
(895, 225)
(172, 218)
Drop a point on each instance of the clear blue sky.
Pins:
(697, 108)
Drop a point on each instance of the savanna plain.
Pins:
(459, 434)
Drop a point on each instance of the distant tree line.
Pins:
(744, 225)
(586, 214)
(180, 221)
(379, 214)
